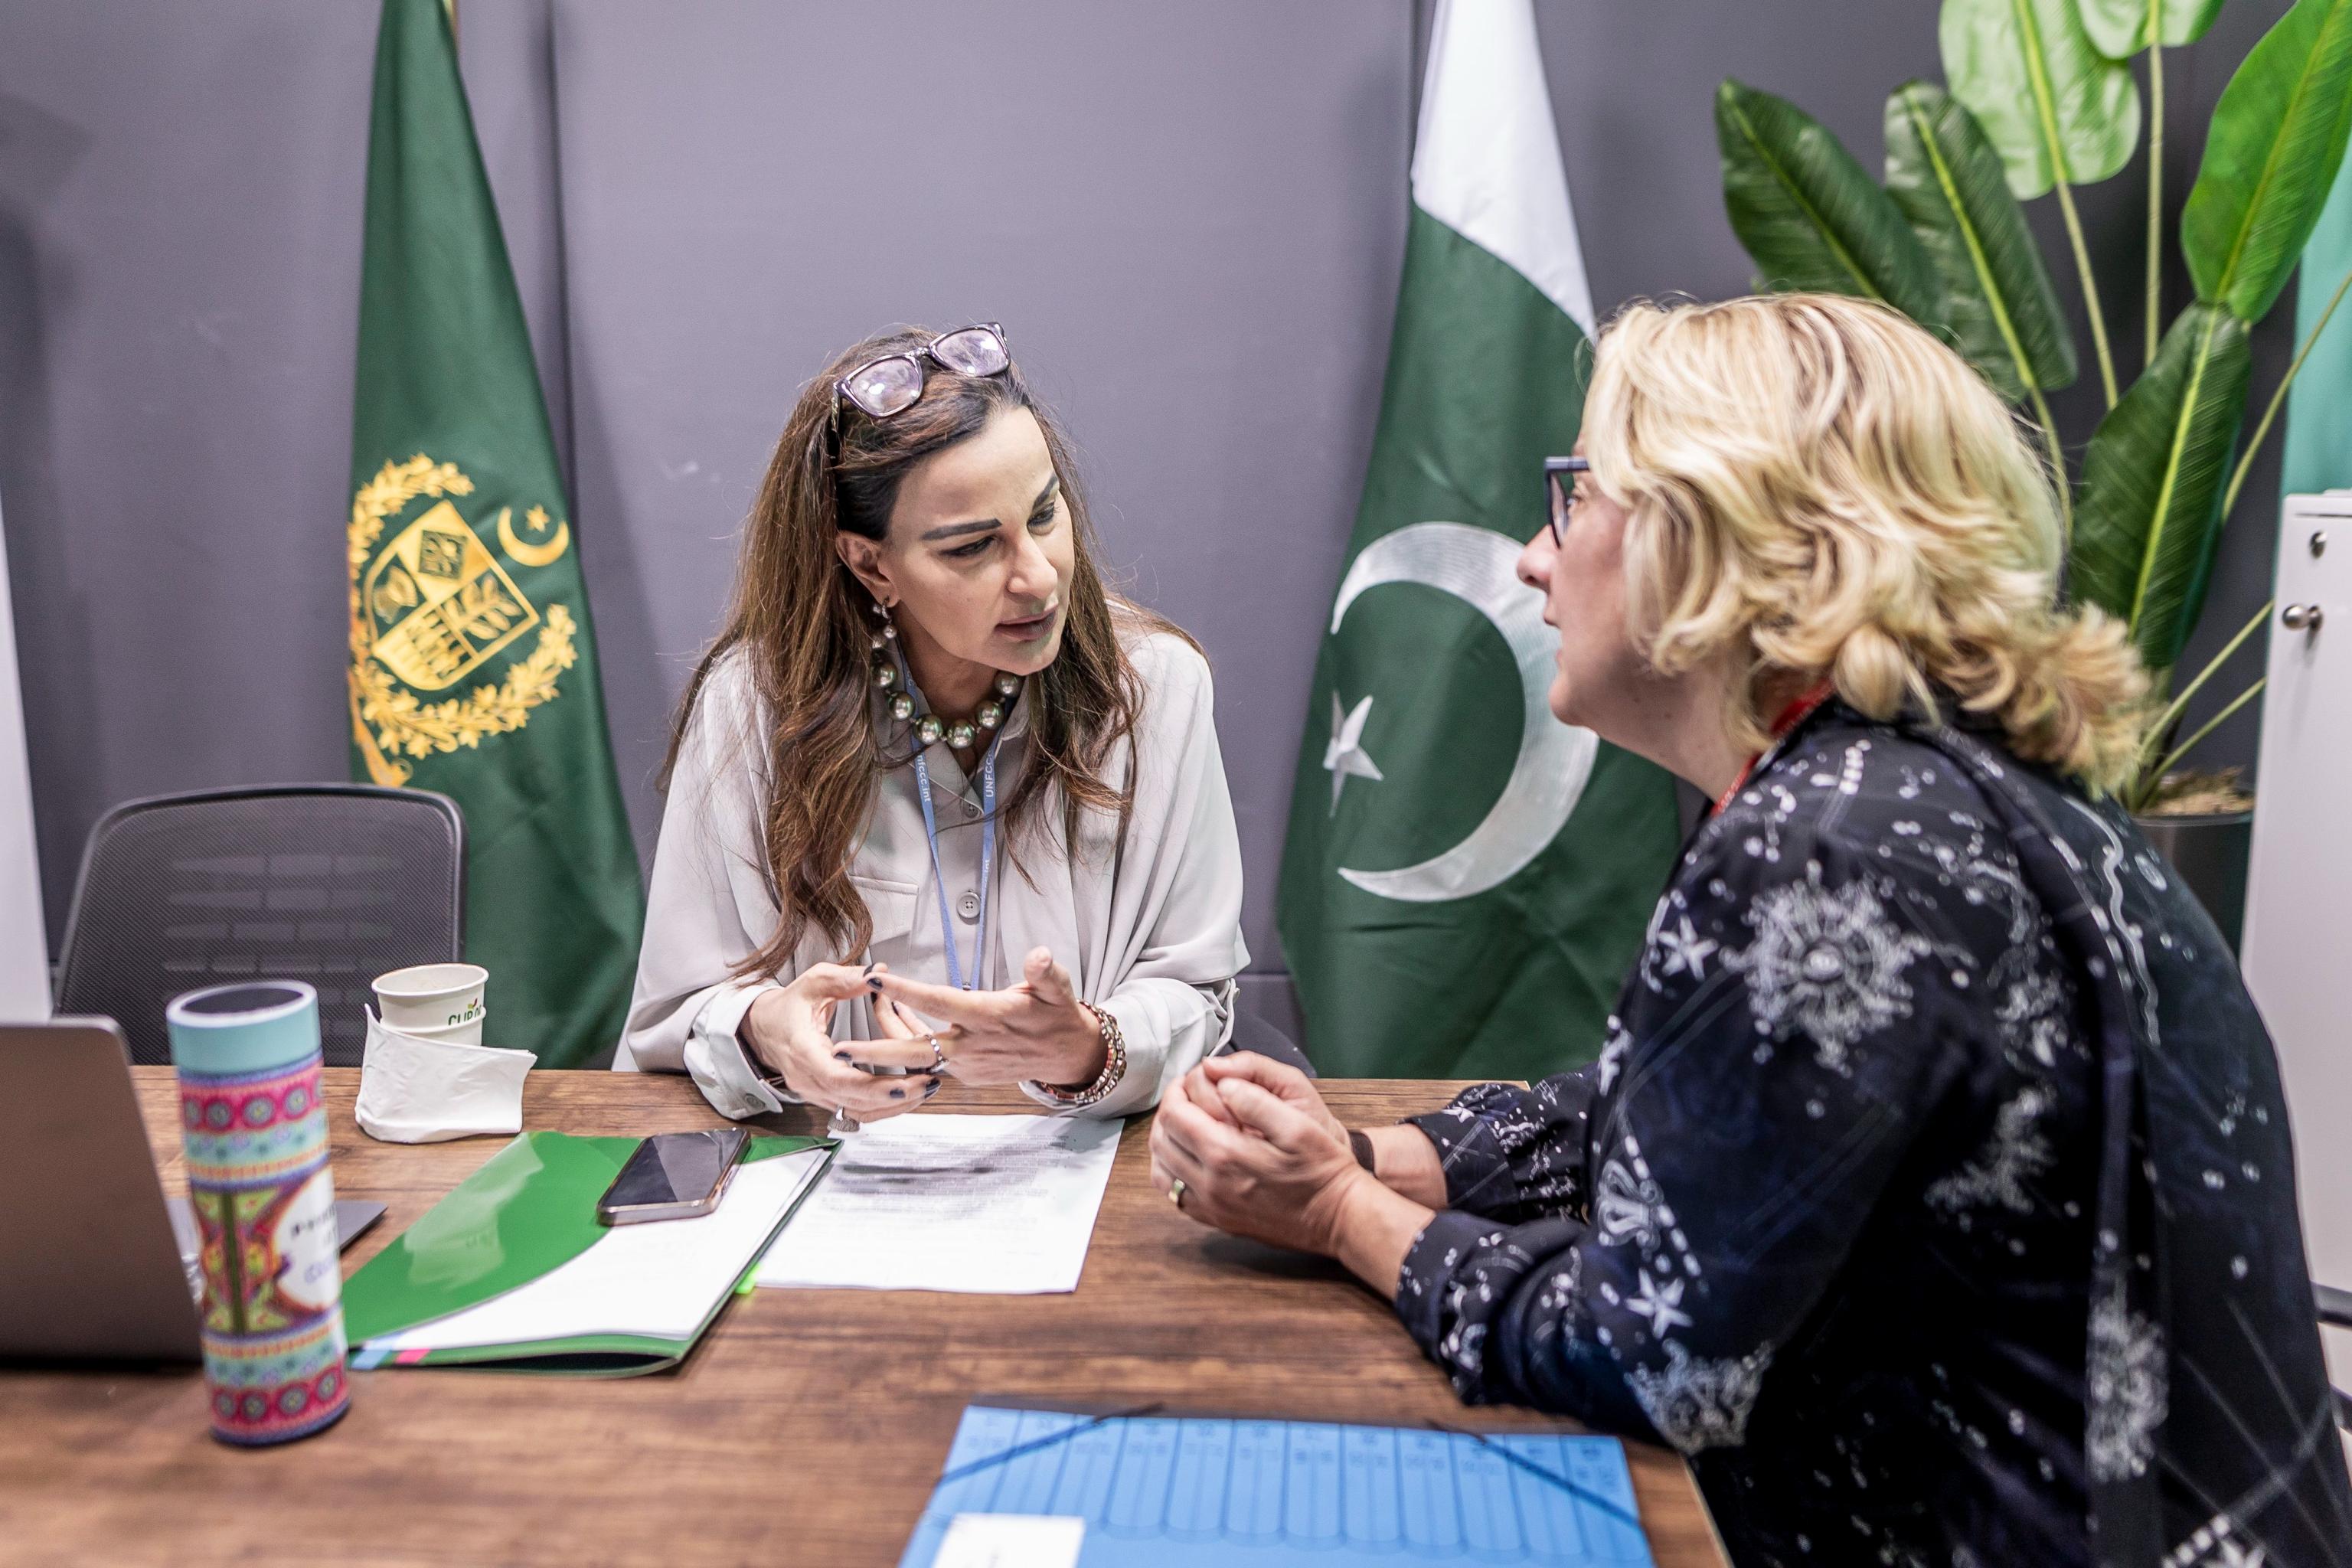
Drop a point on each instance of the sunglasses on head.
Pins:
(1559, 488)
(894, 383)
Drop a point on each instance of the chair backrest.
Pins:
(332, 884)
(1253, 1033)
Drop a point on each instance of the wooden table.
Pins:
(807, 1428)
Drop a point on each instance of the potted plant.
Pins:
(2040, 96)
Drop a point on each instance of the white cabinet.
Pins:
(2297, 949)
(23, 941)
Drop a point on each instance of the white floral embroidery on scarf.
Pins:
(1828, 960)
(1559, 1292)
(1628, 1204)
(1989, 875)
(1660, 1303)
(1630, 1208)
(2033, 1016)
(2209, 1546)
(2013, 1155)
(2123, 936)
(1695, 1403)
(1684, 951)
(2126, 1389)
(1613, 1054)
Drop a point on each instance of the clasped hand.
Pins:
(1037, 1030)
(1258, 1152)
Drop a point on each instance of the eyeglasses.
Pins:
(894, 384)
(1560, 485)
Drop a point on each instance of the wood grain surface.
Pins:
(807, 1428)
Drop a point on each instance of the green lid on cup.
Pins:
(248, 1026)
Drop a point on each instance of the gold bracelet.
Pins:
(1114, 1068)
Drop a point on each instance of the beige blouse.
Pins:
(1150, 928)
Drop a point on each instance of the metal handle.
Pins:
(2300, 617)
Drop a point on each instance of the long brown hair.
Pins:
(802, 624)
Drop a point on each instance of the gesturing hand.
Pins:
(1254, 1162)
(1037, 1029)
(790, 1030)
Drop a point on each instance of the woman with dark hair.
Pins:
(1932, 1191)
(939, 801)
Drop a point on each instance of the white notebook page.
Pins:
(983, 1205)
(658, 1279)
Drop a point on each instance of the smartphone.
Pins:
(673, 1176)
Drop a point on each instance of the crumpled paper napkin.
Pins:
(416, 1090)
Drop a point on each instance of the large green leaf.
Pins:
(2055, 106)
(2151, 512)
(1999, 303)
(2277, 137)
(1809, 215)
(2119, 29)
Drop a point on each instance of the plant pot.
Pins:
(2209, 854)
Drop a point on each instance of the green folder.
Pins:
(512, 1269)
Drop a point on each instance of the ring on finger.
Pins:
(938, 1057)
(1176, 1192)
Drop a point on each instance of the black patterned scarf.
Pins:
(2203, 1346)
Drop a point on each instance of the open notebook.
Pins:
(512, 1268)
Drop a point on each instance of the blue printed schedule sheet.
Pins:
(1170, 1492)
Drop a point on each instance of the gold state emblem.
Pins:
(439, 603)
(433, 606)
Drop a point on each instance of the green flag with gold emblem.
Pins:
(473, 667)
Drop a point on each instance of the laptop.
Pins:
(97, 1264)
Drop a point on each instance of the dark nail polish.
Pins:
(930, 1088)
(841, 1056)
(897, 1094)
(874, 982)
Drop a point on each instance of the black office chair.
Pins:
(1252, 1033)
(2335, 1312)
(332, 884)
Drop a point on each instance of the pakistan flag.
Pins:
(473, 669)
(1466, 880)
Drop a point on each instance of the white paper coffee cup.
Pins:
(468, 1033)
(432, 997)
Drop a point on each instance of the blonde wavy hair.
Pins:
(1821, 486)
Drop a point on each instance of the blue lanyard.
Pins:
(987, 859)
(987, 848)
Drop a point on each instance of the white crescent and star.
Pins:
(1344, 756)
(1479, 567)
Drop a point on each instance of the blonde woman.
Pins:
(1932, 1190)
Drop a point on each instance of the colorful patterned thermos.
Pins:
(256, 1134)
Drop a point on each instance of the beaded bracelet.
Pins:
(1114, 1068)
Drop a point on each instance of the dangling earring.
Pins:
(886, 664)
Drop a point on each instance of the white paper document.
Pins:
(656, 1278)
(1012, 1541)
(997, 1205)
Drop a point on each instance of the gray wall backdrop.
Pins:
(1189, 217)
